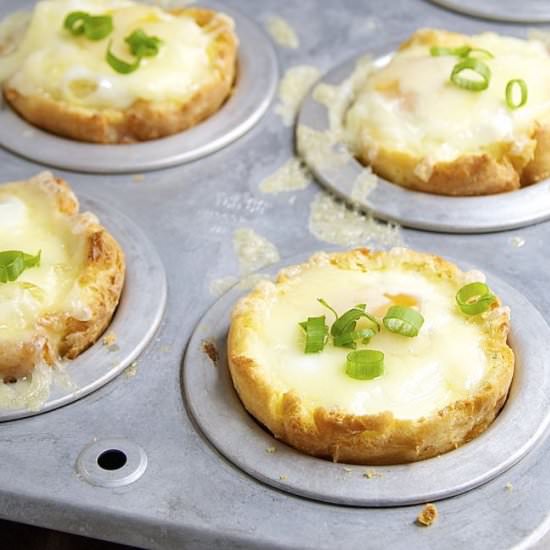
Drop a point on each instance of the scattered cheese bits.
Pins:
(364, 184)
(293, 87)
(270, 450)
(369, 474)
(517, 241)
(332, 221)
(253, 251)
(509, 487)
(109, 339)
(282, 32)
(291, 176)
(131, 371)
(319, 148)
(427, 516)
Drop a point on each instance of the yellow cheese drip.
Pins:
(445, 362)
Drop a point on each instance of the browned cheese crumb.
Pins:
(211, 350)
(109, 339)
(427, 516)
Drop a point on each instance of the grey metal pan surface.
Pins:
(422, 210)
(186, 494)
(527, 11)
(134, 324)
(254, 91)
(216, 407)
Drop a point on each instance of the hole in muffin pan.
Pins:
(415, 209)
(112, 459)
(111, 462)
(218, 412)
(254, 90)
(527, 11)
(133, 326)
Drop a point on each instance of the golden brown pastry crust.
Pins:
(102, 275)
(370, 439)
(496, 170)
(144, 120)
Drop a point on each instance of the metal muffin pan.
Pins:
(187, 494)
(222, 418)
(254, 90)
(134, 324)
(427, 211)
(510, 11)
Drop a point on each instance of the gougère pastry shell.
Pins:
(419, 130)
(60, 308)
(439, 390)
(64, 84)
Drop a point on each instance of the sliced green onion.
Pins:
(478, 67)
(403, 320)
(461, 51)
(486, 53)
(350, 339)
(98, 27)
(14, 262)
(142, 45)
(475, 298)
(365, 364)
(94, 27)
(324, 303)
(119, 65)
(510, 93)
(316, 334)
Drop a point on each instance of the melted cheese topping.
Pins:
(293, 87)
(445, 362)
(410, 105)
(49, 60)
(29, 222)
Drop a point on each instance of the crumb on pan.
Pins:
(427, 515)
(270, 450)
(509, 487)
(211, 350)
(369, 474)
(283, 478)
(110, 339)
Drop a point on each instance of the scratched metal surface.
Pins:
(190, 496)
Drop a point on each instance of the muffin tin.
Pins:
(180, 477)
(394, 203)
(528, 11)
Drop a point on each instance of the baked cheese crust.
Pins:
(439, 390)
(59, 309)
(417, 129)
(64, 85)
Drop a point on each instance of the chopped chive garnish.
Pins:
(478, 67)
(316, 332)
(403, 320)
(14, 262)
(475, 298)
(516, 83)
(365, 364)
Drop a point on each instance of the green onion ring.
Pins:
(98, 27)
(510, 92)
(316, 334)
(467, 84)
(119, 65)
(349, 339)
(475, 298)
(14, 262)
(461, 51)
(143, 45)
(365, 364)
(75, 22)
(403, 320)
